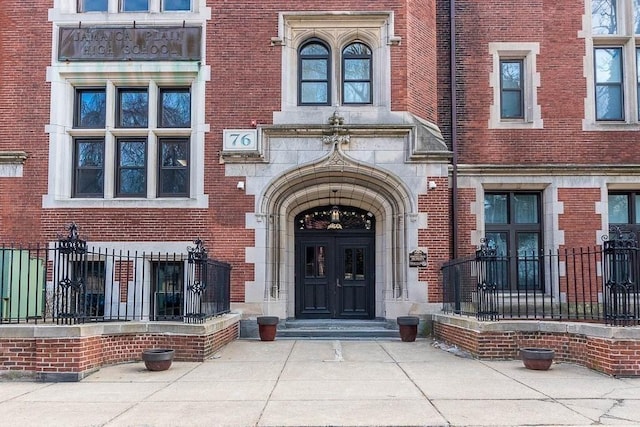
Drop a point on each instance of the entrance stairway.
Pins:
(337, 329)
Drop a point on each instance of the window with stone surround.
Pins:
(514, 82)
(624, 210)
(613, 65)
(132, 126)
(357, 60)
(513, 228)
(133, 5)
(127, 132)
(316, 74)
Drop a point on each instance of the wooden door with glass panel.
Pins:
(335, 266)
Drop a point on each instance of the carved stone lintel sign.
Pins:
(417, 258)
(130, 44)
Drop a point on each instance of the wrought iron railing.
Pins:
(70, 282)
(597, 284)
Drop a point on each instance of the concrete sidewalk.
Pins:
(318, 383)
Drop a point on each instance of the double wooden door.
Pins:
(335, 275)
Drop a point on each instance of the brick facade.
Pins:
(243, 205)
(71, 358)
(609, 350)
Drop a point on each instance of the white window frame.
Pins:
(112, 132)
(64, 77)
(337, 30)
(527, 53)
(155, 6)
(626, 40)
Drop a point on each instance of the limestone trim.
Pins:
(527, 52)
(336, 178)
(11, 163)
(628, 42)
(337, 29)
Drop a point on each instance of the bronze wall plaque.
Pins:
(130, 44)
(417, 258)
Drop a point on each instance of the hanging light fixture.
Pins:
(334, 216)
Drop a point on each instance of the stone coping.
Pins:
(118, 328)
(555, 327)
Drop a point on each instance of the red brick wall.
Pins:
(466, 221)
(579, 219)
(245, 86)
(18, 354)
(611, 356)
(436, 237)
(555, 25)
(25, 52)
(422, 59)
(80, 355)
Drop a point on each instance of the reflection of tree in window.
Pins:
(356, 62)
(513, 229)
(174, 167)
(91, 108)
(89, 175)
(608, 64)
(604, 17)
(512, 99)
(314, 74)
(134, 108)
(131, 170)
(175, 108)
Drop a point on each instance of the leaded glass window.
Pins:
(513, 229)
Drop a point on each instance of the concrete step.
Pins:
(337, 329)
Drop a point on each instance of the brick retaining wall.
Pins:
(611, 350)
(70, 353)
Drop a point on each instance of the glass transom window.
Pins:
(176, 5)
(93, 5)
(135, 5)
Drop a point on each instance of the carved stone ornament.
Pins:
(339, 134)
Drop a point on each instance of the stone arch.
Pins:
(336, 179)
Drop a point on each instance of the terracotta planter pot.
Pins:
(267, 327)
(408, 326)
(158, 359)
(538, 359)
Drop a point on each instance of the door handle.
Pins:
(338, 283)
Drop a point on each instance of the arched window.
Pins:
(356, 74)
(313, 71)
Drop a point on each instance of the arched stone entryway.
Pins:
(335, 179)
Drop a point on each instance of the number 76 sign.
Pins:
(240, 140)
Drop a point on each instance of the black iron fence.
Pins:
(70, 282)
(597, 284)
